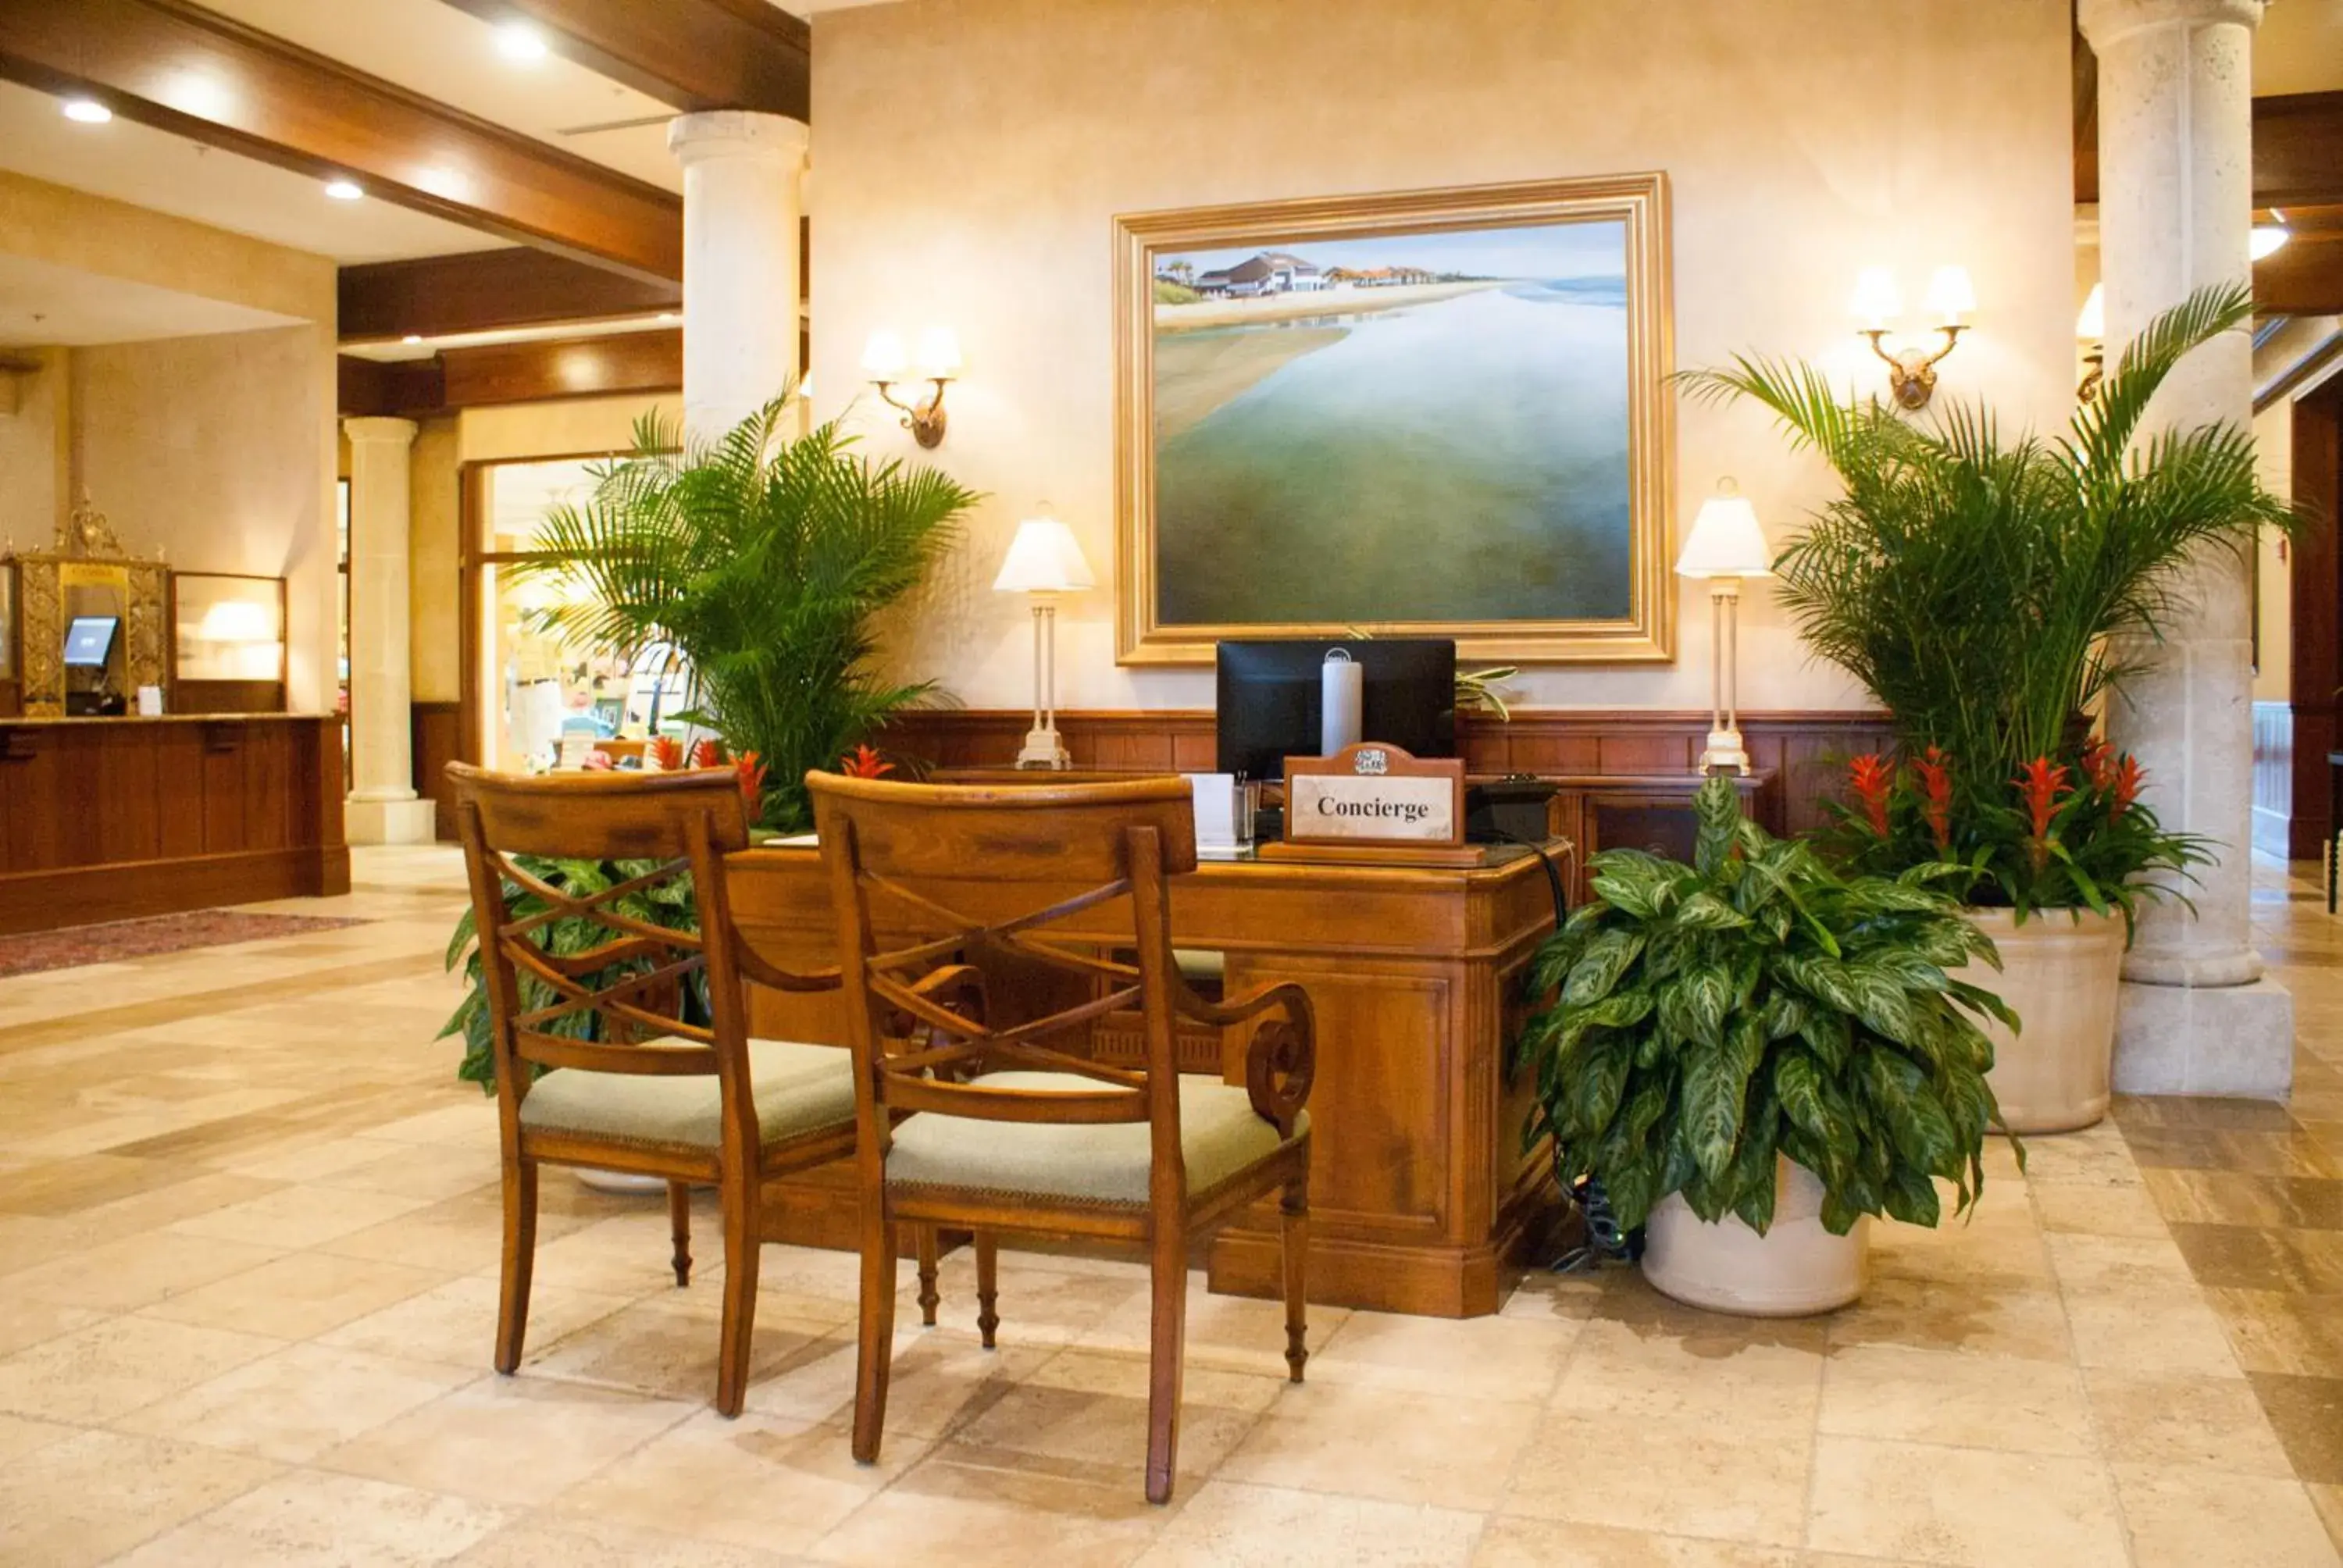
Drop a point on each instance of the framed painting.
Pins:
(1431, 413)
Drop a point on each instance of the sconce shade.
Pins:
(1044, 558)
(2092, 323)
(1727, 542)
(1876, 302)
(883, 358)
(938, 357)
(1950, 295)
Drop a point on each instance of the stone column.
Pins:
(382, 808)
(742, 174)
(2176, 199)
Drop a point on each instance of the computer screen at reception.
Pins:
(1270, 698)
(89, 641)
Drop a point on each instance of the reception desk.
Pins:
(111, 818)
(1419, 1189)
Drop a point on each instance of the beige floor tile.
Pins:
(298, 1297)
(1962, 1505)
(993, 1506)
(460, 1235)
(29, 1240)
(297, 1403)
(307, 1518)
(2110, 1264)
(111, 1368)
(432, 1171)
(2098, 1211)
(1499, 1358)
(1510, 1542)
(2001, 1319)
(455, 1322)
(1044, 1306)
(2328, 1501)
(507, 1440)
(1955, 1398)
(19, 1436)
(1091, 1406)
(97, 1494)
(2209, 1519)
(2200, 1422)
(1626, 1373)
(761, 1481)
(1702, 1476)
(539, 1542)
(649, 1349)
(2171, 1330)
(937, 1379)
(136, 1271)
(24, 1322)
(299, 1216)
(1234, 1334)
(1367, 1441)
(1228, 1525)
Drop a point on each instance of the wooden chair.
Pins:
(1007, 1133)
(639, 1090)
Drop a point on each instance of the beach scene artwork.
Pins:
(1427, 428)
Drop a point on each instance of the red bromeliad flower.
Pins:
(2042, 787)
(864, 763)
(2124, 788)
(1871, 777)
(1936, 771)
(751, 774)
(707, 753)
(2099, 763)
(667, 753)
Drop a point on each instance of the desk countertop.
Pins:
(29, 720)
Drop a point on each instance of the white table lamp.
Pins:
(1044, 560)
(1727, 545)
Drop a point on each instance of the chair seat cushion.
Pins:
(798, 1089)
(1220, 1136)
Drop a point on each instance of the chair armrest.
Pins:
(959, 988)
(1281, 1056)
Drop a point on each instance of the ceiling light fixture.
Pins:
(2268, 238)
(520, 42)
(412, 338)
(87, 111)
(345, 189)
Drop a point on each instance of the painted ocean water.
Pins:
(1460, 459)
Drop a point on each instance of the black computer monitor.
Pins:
(89, 641)
(1269, 698)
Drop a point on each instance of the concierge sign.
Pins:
(1375, 794)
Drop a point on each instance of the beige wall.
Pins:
(969, 155)
(35, 452)
(434, 559)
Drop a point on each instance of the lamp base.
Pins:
(1724, 753)
(1044, 750)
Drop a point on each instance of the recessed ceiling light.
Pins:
(520, 41)
(667, 315)
(88, 111)
(2267, 239)
(412, 338)
(345, 190)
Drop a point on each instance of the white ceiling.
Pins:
(43, 304)
(151, 169)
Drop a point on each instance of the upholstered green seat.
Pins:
(798, 1089)
(1219, 1135)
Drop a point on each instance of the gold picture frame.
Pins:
(1638, 203)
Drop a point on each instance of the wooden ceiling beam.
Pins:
(488, 291)
(172, 66)
(693, 54)
(488, 375)
(2302, 278)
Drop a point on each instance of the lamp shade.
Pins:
(883, 357)
(1727, 542)
(938, 357)
(1876, 302)
(2092, 323)
(1044, 558)
(1950, 295)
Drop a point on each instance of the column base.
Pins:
(389, 821)
(2232, 1040)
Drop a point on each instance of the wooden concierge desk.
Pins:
(110, 819)
(1418, 1186)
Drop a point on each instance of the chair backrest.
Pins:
(900, 855)
(588, 972)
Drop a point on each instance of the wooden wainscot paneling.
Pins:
(2316, 590)
(437, 735)
(111, 818)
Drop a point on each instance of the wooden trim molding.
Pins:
(693, 54)
(488, 291)
(181, 69)
(486, 375)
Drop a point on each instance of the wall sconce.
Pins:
(2091, 327)
(1912, 372)
(888, 365)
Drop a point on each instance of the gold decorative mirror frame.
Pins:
(86, 554)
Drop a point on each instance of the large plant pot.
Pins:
(1793, 1270)
(621, 1183)
(2059, 974)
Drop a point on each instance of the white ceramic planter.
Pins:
(2059, 974)
(624, 1183)
(1793, 1270)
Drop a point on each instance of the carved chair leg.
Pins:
(1293, 1210)
(875, 1336)
(519, 1261)
(928, 1296)
(678, 1220)
(987, 1286)
(1166, 1350)
(743, 1250)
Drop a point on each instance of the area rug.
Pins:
(122, 939)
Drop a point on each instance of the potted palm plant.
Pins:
(1982, 585)
(1756, 1053)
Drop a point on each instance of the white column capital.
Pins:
(738, 134)
(2105, 21)
(379, 428)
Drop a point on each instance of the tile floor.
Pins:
(248, 1244)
